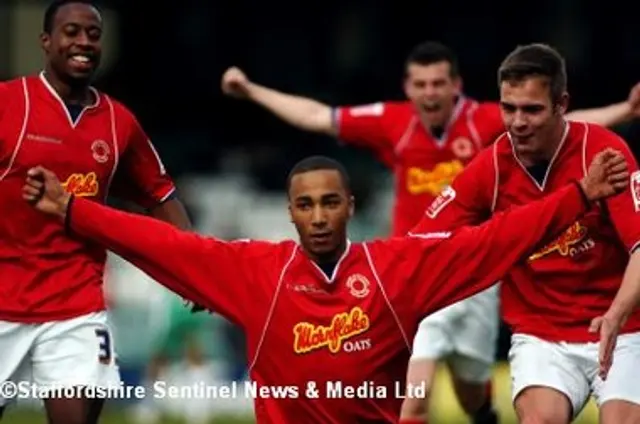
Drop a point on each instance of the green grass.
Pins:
(444, 408)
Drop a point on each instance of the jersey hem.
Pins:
(39, 318)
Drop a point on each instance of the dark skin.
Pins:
(73, 51)
(77, 31)
(72, 56)
(320, 207)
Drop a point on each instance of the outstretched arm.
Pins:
(611, 115)
(301, 112)
(364, 126)
(204, 270)
(472, 259)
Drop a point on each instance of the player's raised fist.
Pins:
(43, 190)
(634, 100)
(608, 175)
(235, 83)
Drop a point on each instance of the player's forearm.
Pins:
(170, 256)
(173, 212)
(607, 116)
(475, 258)
(301, 112)
(628, 297)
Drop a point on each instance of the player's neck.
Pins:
(548, 151)
(329, 257)
(437, 129)
(556, 138)
(70, 94)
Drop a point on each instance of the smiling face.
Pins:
(320, 208)
(530, 115)
(73, 44)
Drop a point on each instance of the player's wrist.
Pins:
(617, 315)
(585, 193)
(63, 205)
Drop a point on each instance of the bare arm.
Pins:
(611, 115)
(173, 212)
(628, 297)
(300, 112)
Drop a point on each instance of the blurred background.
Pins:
(164, 59)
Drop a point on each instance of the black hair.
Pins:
(52, 11)
(318, 163)
(431, 52)
(536, 60)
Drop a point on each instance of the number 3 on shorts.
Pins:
(104, 355)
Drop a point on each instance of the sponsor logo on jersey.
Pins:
(82, 185)
(574, 240)
(446, 197)
(433, 182)
(344, 326)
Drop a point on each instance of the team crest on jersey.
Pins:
(462, 147)
(440, 202)
(100, 150)
(420, 181)
(573, 241)
(358, 285)
(82, 185)
(635, 190)
(309, 337)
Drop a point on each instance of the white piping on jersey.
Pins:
(161, 167)
(553, 158)
(166, 196)
(634, 247)
(55, 94)
(272, 308)
(472, 126)
(440, 141)
(23, 130)
(457, 109)
(335, 269)
(406, 135)
(496, 168)
(584, 149)
(428, 236)
(116, 148)
(386, 298)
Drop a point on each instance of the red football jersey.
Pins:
(45, 274)
(423, 164)
(351, 334)
(564, 285)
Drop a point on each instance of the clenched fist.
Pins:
(43, 190)
(235, 83)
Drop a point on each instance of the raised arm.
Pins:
(300, 112)
(472, 259)
(207, 271)
(611, 115)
